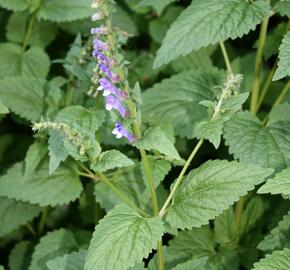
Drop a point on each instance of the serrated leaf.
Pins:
(278, 260)
(32, 63)
(121, 230)
(210, 189)
(176, 100)
(283, 69)
(13, 214)
(252, 143)
(155, 139)
(42, 35)
(3, 108)
(207, 22)
(20, 256)
(111, 159)
(279, 237)
(283, 7)
(40, 188)
(52, 10)
(72, 261)
(280, 184)
(52, 245)
(14, 5)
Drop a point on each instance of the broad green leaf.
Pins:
(3, 108)
(283, 7)
(23, 96)
(280, 184)
(283, 69)
(13, 214)
(40, 188)
(160, 168)
(111, 159)
(253, 143)
(32, 63)
(207, 22)
(52, 245)
(210, 189)
(278, 260)
(42, 35)
(195, 264)
(159, 6)
(155, 139)
(176, 100)
(53, 10)
(120, 231)
(279, 237)
(20, 256)
(72, 261)
(14, 5)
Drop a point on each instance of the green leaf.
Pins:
(20, 256)
(15, 5)
(207, 22)
(283, 7)
(176, 100)
(3, 108)
(155, 139)
(13, 214)
(280, 184)
(279, 237)
(23, 96)
(111, 159)
(40, 188)
(42, 35)
(159, 6)
(252, 143)
(278, 260)
(52, 245)
(32, 63)
(210, 189)
(160, 168)
(53, 10)
(121, 230)
(195, 264)
(72, 261)
(283, 69)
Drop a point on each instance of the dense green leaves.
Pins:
(23, 96)
(207, 22)
(279, 237)
(40, 188)
(283, 69)
(72, 261)
(53, 244)
(20, 256)
(210, 189)
(278, 260)
(177, 100)
(280, 184)
(122, 230)
(14, 214)
(53, 10)
(251, 142)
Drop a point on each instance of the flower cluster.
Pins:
(106, 78)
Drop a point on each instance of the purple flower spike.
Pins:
(100, 45)
(105, 69)
(109, 89)
(113, 103)
(102, 58)
(120, 132)
(102, 30)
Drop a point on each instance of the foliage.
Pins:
(144, 134)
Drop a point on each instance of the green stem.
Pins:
(31, 229)
(226, 57)
(179, 179)
(239, 212)
(258, 66)
(42, 221)
(28, 32)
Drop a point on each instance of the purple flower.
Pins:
(102, 30)
(114, 103)
(105, 69)
(102, 58)
(120, 132)
(100, 45)
(109, 89)
(97, 16)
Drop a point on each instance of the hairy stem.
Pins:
(258, 66)
(226, 57)
(42, 221)
(31, 229)
(179, 179)
(28, 32)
